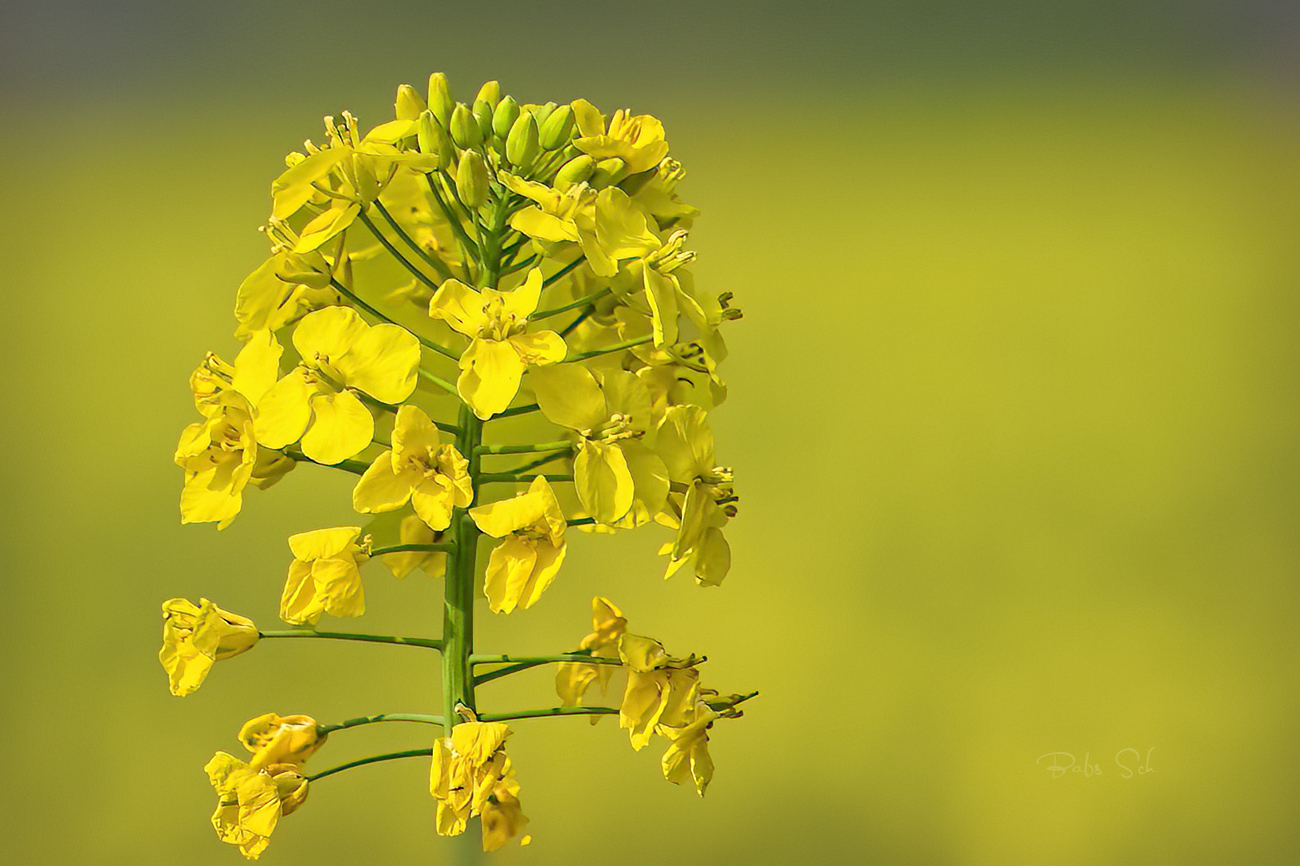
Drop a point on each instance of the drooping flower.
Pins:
(618, 479)
(500, 347)
(531, 528)
(218, 455)
(573, 679)
(501, 817)
(685, 442)
(467, 769)
(317, 401)
(420, 469)
(325, 575)
(251, 801)
(197, 636)
(661, 690)
(688, 752)
(276, 739)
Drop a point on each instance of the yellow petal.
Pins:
(602, 480)
(522, 301)
(541, 348)
(380, 488)
(569, 396)
(433, 508)
(503, 517)
(257, 365)
(326, 225)
(341, 427)
(293, 188)
(414, 433)
(537, 223)
(459, 306)
(383, 362)
(284, 411)
(330, 331)
(490, 376)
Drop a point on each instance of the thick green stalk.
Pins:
(458, 609)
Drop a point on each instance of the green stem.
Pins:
(524, 449)
(391, 756)
(403, 548)
(523, 663)
(428, 344)
(440, 382)
(392, 251)
(432, 261)
(382, 717)
(452, 218)
(356, 467)
(581, 521)
(542, 461)
(428, 643)
(505, 477)
(560, 274)
(617, 347)
(552, 711)
(586, 314)
(517, 410)
(580, 302)
(458, 609)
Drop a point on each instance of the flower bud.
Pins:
(608, 172)
(507, 112)
(290, 786)
(574, 171)
(543, 112)
(558, 128)
(490, 93)
(482, 112)
(440, 101)
(472, 180)
(522, 143)
(464, 128)
(409, 104)
(433, 139)
(197, 636)
(275, 739)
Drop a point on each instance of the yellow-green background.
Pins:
(1013, 418)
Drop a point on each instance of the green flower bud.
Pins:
(574, 171)
(608, 172)
(440, 101)
(490, 93)
(464, 128)
(433, 139)
(472, 179)
(521, 144)
(558, 128)
(483, 117)
(409, 104)
(543, 112)
(507, 112)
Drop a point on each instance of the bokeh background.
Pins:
(1013, 416)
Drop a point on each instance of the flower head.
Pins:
(419, 469)
(531, 528)
(468, 770)
(661, 690)
(197, 636)
(325, 575)
(251, 801)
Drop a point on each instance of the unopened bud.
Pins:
(522, 143)
(574, 171)
(440, 101)
(472, 179)
(464, 128)
(409, 104)
(490, 93)
(504, 117)
(433, 139)
(558, 128)
(483, 116)
(543, 112)
(608, 172)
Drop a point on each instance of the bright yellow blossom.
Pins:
(661, 690)
(276, 739)
(685, 442)
(572, 679)
(413, 530)
(500, 348)
(419, 469)
(501, 816)
(531, 528)
(317, 400)
(466, 768)
(197, 636)
(218, 456)
(251, 801)
(637, 140)
(688, 752)
(610, 411)
(325, 575)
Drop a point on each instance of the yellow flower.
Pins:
(325, 575)
(466, 769)
(618, 479)
(197, 636)
(572, 679)
(688, 752)
(218, 456)
(531, 528)
(501, 816)
(418, 469)
(607, 225)
(413, 530)
(637, 140)
(285, 286)
(661, 690)
(685, 442)
(275, 739)
(658, 196)
(317, 400)
(250, 801)
(500, 349)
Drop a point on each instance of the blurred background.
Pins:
(1012, 413)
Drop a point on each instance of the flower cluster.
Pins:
(484, 312)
